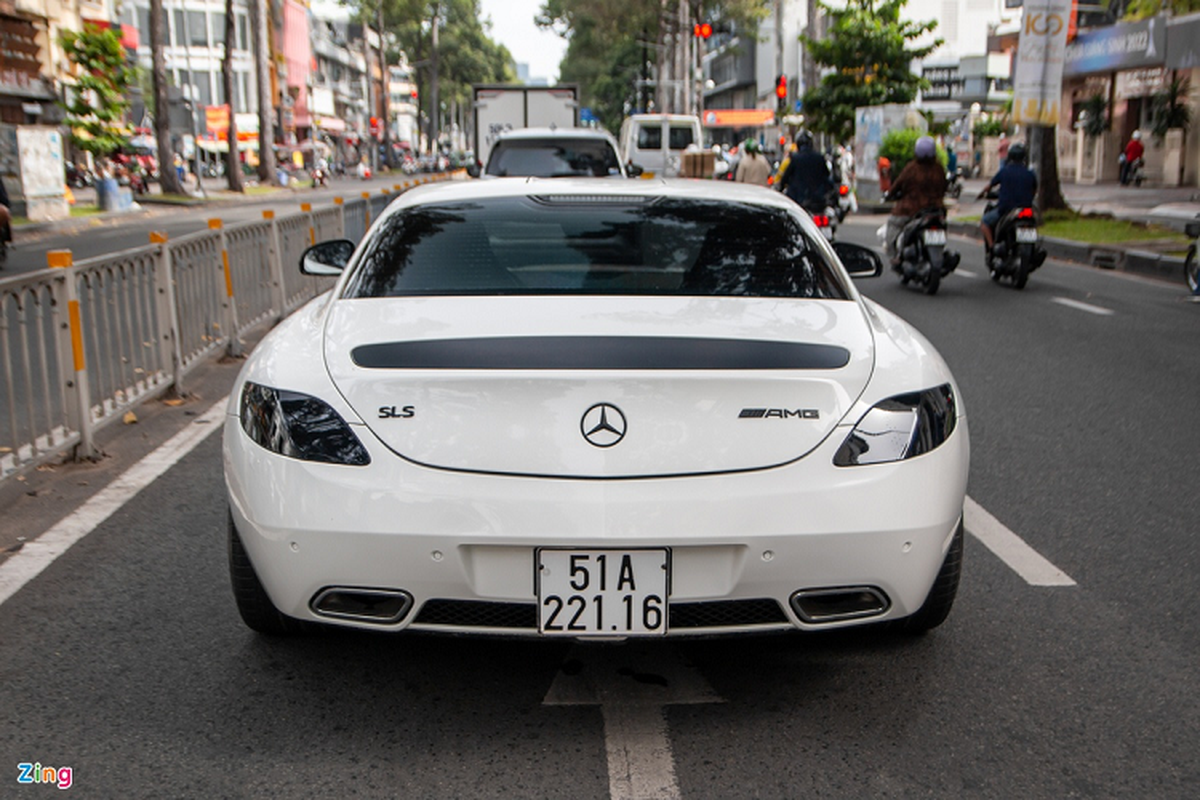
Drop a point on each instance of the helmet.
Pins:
(751, 146)
(1016, 153)
(804, 140)
(1137, 135)
(925, 149)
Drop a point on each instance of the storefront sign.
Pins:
(1140, 82)
(739, 117)
(1041, 49)
(1183, 44)
(1117, 47)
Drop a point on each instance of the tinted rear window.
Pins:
(650, 136)
(558, 245)
(553, 158)
(680, 138)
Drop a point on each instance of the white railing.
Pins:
(80, 344)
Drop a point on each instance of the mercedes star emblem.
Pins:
(603, 425)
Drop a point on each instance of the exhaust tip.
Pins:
(820, 606)
(380, 606)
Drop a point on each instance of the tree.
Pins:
(266, 108)
(1142, 9)
(868, 49)
(96, 112)
(612, 43)
(233, 164)
(168, 179)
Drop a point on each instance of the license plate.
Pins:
(602, 592)
(935, 236)
(1027, 235)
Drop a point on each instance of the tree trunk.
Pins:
(435, 110)
(168, 179)
(385, 89)
(1043, 145)
(266, 108)
(233, 165)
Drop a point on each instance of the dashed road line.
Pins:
(1011, 549)
(32, 559)
(1080, 306)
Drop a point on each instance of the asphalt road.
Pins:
(126, 660)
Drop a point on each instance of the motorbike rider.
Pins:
(806, 179)
(1133, 151)
(1018, 187)
(5, 223)
(921, 185)
(752, 167)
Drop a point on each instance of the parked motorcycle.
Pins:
(1191, 265)
(78, 176)
(1018, 248)
(924, 257)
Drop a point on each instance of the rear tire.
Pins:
(253, 603)
(933, 280)
(1191, 270)
(1024, 265)
(937, 605)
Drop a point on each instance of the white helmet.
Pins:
(1137, 135)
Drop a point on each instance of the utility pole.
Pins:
(266, 106)
(368, 136)
(385, 89)
(435, 109)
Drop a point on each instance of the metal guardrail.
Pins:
(80, 344)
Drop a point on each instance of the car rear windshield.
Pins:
(554, 158)
(594, 245)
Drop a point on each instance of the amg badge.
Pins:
(779, 413)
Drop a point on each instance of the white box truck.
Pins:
(506, 107)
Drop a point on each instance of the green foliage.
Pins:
(466, 52)
(993, 126)
(1143, 9)
(96, 114)
(868, 48)
(608, 41)
(898, 146)
(1169, 108)
(1097, 121)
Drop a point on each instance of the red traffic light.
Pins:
(781, 87)
(702, 30)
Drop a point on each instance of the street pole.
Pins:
(434, 107)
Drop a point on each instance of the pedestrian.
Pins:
(179, 168)
(752, 167)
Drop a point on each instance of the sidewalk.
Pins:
(1171, 208)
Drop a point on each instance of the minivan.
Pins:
(655, 142)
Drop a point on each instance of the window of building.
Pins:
(218, 28)
(197, 28)
(177, 30)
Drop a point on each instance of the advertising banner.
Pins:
(1041, 50)
(1183, 43)
(1128, 45)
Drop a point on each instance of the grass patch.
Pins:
(258, 190)
(1103, 230)
(85, 211)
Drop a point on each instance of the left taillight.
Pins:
(820, 220)
(298, 426)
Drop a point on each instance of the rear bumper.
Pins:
(462, 546)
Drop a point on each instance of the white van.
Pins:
(655, 142)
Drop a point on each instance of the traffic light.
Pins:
(781, 87)
(702, 30)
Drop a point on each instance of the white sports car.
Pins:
(602, 409)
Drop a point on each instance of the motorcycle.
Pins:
(1191, 265)
(846, 201)
(1018, 248)
(953, 184)
(319, 178)
(924, 258)
(825, 216)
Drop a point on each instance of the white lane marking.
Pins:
(966, 273)
(1088, 307)
(632, 684)
(28, 562)
(1011, 549)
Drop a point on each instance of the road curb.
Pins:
(1121, 259)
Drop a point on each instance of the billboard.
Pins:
(1041, 52)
